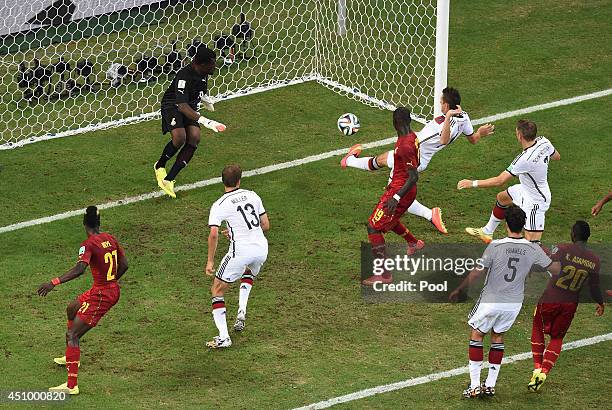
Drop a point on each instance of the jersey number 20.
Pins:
(254, 222)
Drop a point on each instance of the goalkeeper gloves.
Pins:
(212, 125)
(207, 103)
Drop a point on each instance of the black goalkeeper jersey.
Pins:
(187, 87)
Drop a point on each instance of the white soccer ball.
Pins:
(348, 124)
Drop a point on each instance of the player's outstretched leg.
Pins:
(219, 316)
(246, 284)
(433, 215)
(498, 214)
(73, 356)
(351, 159)
(71, 311)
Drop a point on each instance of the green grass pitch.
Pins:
(309, 336)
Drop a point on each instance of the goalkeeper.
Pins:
(180, 116)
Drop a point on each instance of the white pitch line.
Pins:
(290, 164)
(438, 376)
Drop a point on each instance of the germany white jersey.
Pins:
(531, 167)
(429, 136)
(241, 210)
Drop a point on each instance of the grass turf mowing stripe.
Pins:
(291, 164)
(441, 375)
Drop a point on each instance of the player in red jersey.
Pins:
(559, 301)
(108, 263)
(399, 194)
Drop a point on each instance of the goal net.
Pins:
(72, 66)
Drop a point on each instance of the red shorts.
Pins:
(381, 219)
(96, 302)
(555, 318)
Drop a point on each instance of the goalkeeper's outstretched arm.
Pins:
(193, 115)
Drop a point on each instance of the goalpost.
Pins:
(73, 66)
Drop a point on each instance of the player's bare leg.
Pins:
(71, 312)
(246, 284)
(366, 163)
(496, 354)
(498, 214)
(219, 315)
(73, 355)
(179, 137)
(533, 236)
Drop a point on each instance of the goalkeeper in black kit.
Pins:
(180, 116)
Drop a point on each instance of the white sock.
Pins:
(219, 314)
(492, 225)
(360, 163)
(475, 373)
(420, 210)
(492, 376)
(243, 298)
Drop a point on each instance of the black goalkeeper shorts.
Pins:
(172, 119)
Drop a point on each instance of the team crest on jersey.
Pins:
(81, 250)
(554, 250)
(440, 119)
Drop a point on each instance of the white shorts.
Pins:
(423, 162)
(498, 317)
(231, 267)
(535, 210)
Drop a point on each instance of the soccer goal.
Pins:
(72, 66)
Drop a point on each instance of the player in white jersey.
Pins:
(246, 220)
(436, 135)
(532, 194)
(507, 262)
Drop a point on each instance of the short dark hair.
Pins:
(204, 55)
(581, 231)
(515, 218)
(452, 97)
(528, 129)
(401, 119)
(91, 219)
(231, 175)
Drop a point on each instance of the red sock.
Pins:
(378, 248)
(73, 355)
(496, 353)
(69, 324)
(537, 341)
(402, 231)
(499, 211)
(475, 352)
(551, 354)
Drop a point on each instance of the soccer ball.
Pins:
(348, 124)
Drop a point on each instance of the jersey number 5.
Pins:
(511, 266)
(251, 209)
(111, 259)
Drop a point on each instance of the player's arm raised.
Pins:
(499, 180)
(213, 240)
(73, 273)
(469, 279)
(413, 177)
(446, 127)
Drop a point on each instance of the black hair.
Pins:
(581, 231)
(231, 175)
(515, 218)
(204, 55)
(91, 219)
(452, 97)
(401, 120)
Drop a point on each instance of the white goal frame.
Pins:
(343, 6)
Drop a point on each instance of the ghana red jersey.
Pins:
(405, 157)
(578, 266)
(101, 252)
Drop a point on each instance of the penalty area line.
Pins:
(385, 388)
(290, 164)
